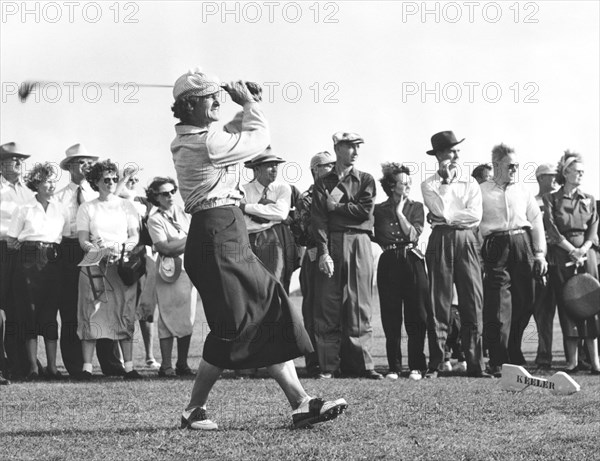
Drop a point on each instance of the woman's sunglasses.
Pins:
(111, 180)
(167, 193)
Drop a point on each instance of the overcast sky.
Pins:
(523, 73)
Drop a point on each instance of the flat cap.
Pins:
(322, 158)
(195, 82)
(342, 136)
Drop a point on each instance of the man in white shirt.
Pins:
(513, 252)
(13, 193)
(266, 205)
(453, 255)
(74, 194)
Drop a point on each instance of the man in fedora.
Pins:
(13, 193)
(77, 160)
(453, 256)
(514, 253)
(342, 222)
(266, 204)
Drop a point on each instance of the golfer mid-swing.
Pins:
(252, 322)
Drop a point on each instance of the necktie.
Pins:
(264, 194)
(79, 195)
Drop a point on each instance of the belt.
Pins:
(39, 245)
(351, 231)
(574, 232)
(520, 230)
(397, 246)
(446, 226)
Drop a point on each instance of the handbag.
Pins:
(131, 267)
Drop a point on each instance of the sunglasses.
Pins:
(110, 180)
(513, 166)
(166, 194)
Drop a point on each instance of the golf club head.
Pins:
(25, 90)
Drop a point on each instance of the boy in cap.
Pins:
(342, 220)
(320, 164)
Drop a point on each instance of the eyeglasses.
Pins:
(513, 166)
(17, 160)
(167, 193)
(107, 181)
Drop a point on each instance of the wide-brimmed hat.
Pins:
(342, 136)
(197, 83)
(322, 158)
(266, 157)
(442, 141)
(10, 150)
(169, 268)
(74, 152)
(581, 294)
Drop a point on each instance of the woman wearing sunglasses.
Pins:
(176, 298)
(104, 225)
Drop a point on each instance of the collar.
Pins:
(5, 182)
(576, 193)
(353, 172)
(189, 129)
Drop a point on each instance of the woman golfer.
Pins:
(252, 322)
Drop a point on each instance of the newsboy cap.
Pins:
(322, 158)
(545, 168)
(342, 136)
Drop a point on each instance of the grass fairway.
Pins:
(445, 419)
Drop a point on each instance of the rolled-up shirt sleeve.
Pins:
(231, 145)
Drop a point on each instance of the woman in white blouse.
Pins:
(168, 226)
(36, 229)
(104, 226)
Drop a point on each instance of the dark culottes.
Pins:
(252, 321)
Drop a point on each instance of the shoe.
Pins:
(391, 375)
(84, 376)
(460, 367)
(33, 376)
(594, 372)
(415, 375)
(496, 371)
(166, 372)
(152, 363)
(56, 376)
(184, 371)
(132, 375)
(445, 366)
(317, 411)
(115, 371)
(572, 371)
(197, 421)
(481, 374)
(325, 375)
(431, 374)
(371, 374)
(3, 380)
(584, 365)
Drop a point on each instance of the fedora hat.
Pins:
(266, 157)
(581, 294)
(10, 150)
(169, 268)
(74, 152)
(442, 141)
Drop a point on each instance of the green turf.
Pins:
(445, 419)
